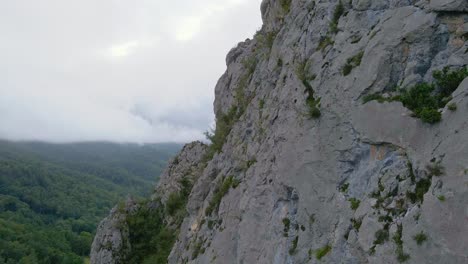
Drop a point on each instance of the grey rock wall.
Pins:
(356, 184)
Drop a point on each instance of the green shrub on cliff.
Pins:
(425, 99)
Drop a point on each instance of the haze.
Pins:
(115, 70)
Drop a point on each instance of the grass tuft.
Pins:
(322, 252)
(420, 238)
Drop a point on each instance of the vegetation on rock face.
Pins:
(420, 100)
(381, 236)
(448, 80)
(325, 42)
(223, 127)
(397, 238)
(422, 187)
(312, 103)
(435, 169)
(150, 238)
(426, 99)
(420, 238)
(354, 203)
(285, 5)
(197, 249)
(265, 40)
(228, 183)
(175, 204)
(322, 252)
(356, 223)
(287, 225)
(52, 196)
(452, 107)
(344, 188)
(225, 121)
(339, 11)
(352, 62)
(293, 248)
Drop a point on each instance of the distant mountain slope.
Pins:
(52, 196)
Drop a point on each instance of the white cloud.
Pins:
(123, 50)
(141, 71)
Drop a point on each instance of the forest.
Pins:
(52, 196)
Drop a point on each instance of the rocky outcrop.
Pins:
(307, 171)
(111, 243)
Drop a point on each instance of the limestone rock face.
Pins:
(188, 163)
(358, 184)
(449, 5)
(111, 244)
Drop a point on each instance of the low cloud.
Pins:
(138, 71)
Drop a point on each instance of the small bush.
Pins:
(448, 80)
(293, 248)
(452, 107)
(312, 102)
(441, 198)
(197, 249)
(339, 11)
(425, 99)
(219, 193)
(325, 42)
(286, 5)
(250, 64)
(150, 237)
(385, 218)
(266, 39)
(287, 226)
(174, 203)
(422, 102)
(322, 252)
(217, 137)
(420, 238)
(356, 223)
(418, 97)
(422, 187)
(352, 62)
(402, 256)
(397, 238)
(381, 236)
(344, 187)
(261, 104)
(347, 69)
(251, 162)
(177, 200)
(430, 115)
(354, 203)
(435, 169)
(211, 224)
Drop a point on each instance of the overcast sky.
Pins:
(116, 70)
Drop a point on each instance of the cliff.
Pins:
(341, 138)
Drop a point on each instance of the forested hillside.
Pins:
(52, 196)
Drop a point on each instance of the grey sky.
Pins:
(118, 70)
